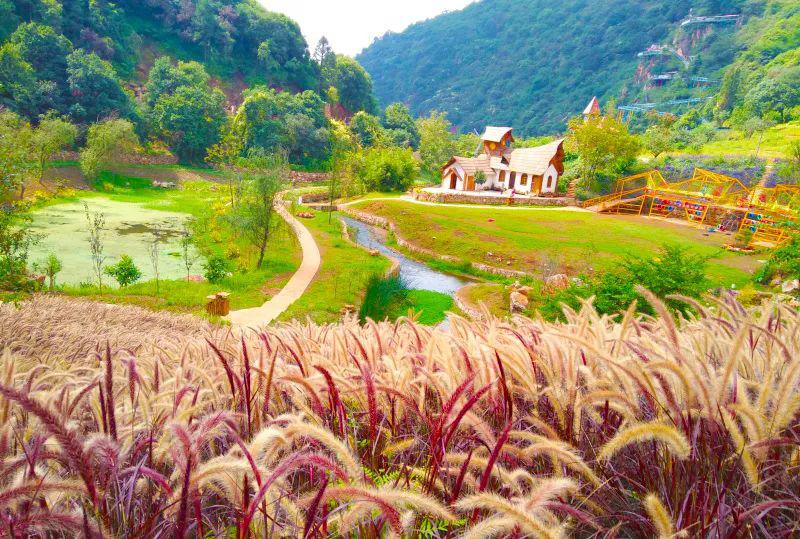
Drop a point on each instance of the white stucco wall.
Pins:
(550, 180)
(446, 177)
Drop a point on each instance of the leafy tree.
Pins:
(400, 126)
(19, 87)
(658, 139)
(106, 144)
(50, 266)
(603, 144)
(388, 169)
(773, 97)
(436, 144)
(254, 217)
(353, 84)
(367, 129)
(757, 125)
(51, 136)
(165, 78)
(216, 269)
(124, 271)
(190, 120)
(44, 49)
(326, 59)
(95, 89)
(15, 163)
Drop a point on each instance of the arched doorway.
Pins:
(453, 180)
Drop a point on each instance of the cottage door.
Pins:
(512, 180)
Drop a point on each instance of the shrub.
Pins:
(784, 263)
(672, 271)
(388, 169)
(216, 269)
(383, 296)
(51, 266)
(124, 272)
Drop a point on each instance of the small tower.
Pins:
(497, 140)
(592, 109)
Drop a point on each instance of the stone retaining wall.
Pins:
(308, 177)
(381, 222)
(468, 308)
(458, 198)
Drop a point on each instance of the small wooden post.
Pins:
(218, 304)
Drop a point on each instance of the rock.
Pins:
(374, 252)
(790, 286)
(164, 185)
(557, 282)
(525, 291)
(305, 214)
(519, 302)
(197, 279)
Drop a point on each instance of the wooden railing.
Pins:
(619, 197)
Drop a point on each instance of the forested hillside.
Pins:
(534, 63)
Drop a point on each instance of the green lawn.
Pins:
(342, 277)
(776, 143)
(545, 241)
(249, 287)
(427, 307)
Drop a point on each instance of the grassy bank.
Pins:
(202, 201)
(775, 144)
(542, 242)
(342, 277)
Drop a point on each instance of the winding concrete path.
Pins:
(412, 200)
(297, 285)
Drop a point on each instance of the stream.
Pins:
(415, 274)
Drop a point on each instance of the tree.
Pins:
(657, 139)
(603, 144)
(757, 125)
(774, 97)
(326, 59)
(95, 89)
(155, 255)
(367, 129)
(124, 271)
(342, 162)
(15, 162)
(187, 252)
(436, 145)
(51, 136)
(44, 49)
(190, 120)
(96, 223)
(388, 169)
(106, 144)
(254, 217)
(353, 84)
(19, 87)
(400, 126)
(50, 266)
(165, 77)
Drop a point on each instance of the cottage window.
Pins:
(502, 176)
(524, 180)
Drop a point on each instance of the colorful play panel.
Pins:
(760, 214)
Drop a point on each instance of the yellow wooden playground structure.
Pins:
(758, 215)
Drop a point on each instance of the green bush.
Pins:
(673, 271)
(784, 263)
(384, 295)
(124, 272)
(216, 269)
(388, 169)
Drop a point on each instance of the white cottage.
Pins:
(533, 171)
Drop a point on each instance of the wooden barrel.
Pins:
(219, 304)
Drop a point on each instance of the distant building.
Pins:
(592, 109)
(533, 171)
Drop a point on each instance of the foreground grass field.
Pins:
(118, 422)
(547, 241)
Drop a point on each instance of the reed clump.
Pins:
(116, 422)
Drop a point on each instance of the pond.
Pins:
(415, 274)
(130, 229)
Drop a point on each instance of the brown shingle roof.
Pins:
(533, 160)
(472, 164)
(495, 134)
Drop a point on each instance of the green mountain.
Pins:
(85, 58)
(534, 63)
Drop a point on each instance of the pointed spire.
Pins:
(593, 108)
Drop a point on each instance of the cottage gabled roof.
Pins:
(534, 161)
(592, 108)
(495, 134)
(471, 165)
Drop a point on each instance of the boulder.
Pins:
(557, 282)
(525, 291)
(197, 279)
(790, 286)
(519, 302)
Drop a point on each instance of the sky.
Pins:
(351, 25)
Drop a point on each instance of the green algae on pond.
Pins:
(130, 229)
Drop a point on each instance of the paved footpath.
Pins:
(412, 200)
(297, 285)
